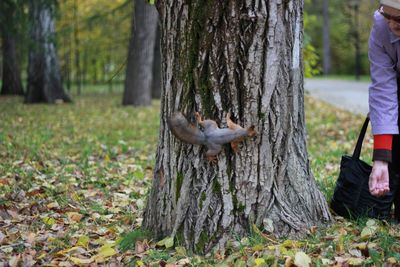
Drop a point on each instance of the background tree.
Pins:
(342, 25)
(11, 76)
(139, 70)
(243, 57)
(326, 38)
(156, 84)
(104, 28)
(44, 79)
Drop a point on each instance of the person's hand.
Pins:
(379, 179)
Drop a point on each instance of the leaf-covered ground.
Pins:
(74, 178)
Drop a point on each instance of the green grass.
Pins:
(81, 171)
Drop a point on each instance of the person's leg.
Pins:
(394, 169)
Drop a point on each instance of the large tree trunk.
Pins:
(11, 78)
(245, 57)
(44, 79)
(326, 38)
(139, 71)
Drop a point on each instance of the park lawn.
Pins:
(74, 179)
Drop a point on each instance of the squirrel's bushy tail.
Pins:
(185, 131)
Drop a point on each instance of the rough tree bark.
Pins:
(139, 70)
(11, 78)
(241, 56)
(44, 79)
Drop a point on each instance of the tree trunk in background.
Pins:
(11, 77)
(326, 39)
(244, 57)
(44, 79)
(78, 73)
(139, 71)
(156, 85)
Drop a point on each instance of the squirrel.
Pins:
(212, 136)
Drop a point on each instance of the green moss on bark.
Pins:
(179, 181)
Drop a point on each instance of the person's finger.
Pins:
(372, 182)
(374, 192)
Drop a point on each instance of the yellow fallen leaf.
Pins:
(289, 261)
(168, 242)
(259, 261)
(83, 241)
(41, 256)
(301, 259)
(258, 247)
(355, 261)
(106, 251)
(81, 261)
(340, 246)
(140, 263)
(67, 250)
(180, 251)
(360, 246)
(49, 221)
(291, 243)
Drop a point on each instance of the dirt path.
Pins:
(348, 95)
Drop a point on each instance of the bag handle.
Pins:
(357, 150)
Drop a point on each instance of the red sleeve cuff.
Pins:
(383, 141)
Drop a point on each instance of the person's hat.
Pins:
(391, 3)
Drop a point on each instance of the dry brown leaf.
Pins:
(74, 216)
(14, 260)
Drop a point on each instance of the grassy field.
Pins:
(73, 181)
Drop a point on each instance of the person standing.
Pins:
(384, 57)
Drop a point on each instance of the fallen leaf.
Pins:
(168, 242)
(74, 216)
(368, 232)
(2, 237)
(355, 253)
(83, 241)
(49, 221)
(355, 261)
(183, 262)
(301, 259)
(106, 251)
(81, 260)
(67, 250)
(392, 260)
(259, 261)
(14, 260)
(289, 261)
(371, 222)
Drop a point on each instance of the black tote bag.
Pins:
(351, 197)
